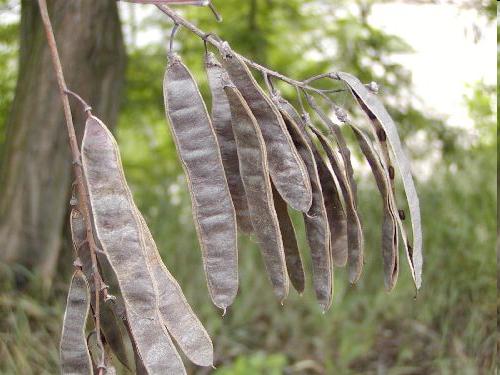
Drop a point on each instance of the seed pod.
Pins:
(120, 233)
(335, 213)
(354, 231)
(342, 145)
(381, 139)
(111, 325)
(176, 313)
(213, 210)
(316, 219)
(376, 109)
(221, 120)
(333, 206)
(75, 357)
(292, 254)
(287, 170)
(253, 168)
(389, 226)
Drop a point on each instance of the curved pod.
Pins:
(355, 240)
(221, 120)
(389, 225)
(75, 355)
(377, 110)
(293, 259)
(287, 170)
(316, 219)
(120, 233)
(253, 167)
(213, 209)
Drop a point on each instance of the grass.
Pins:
(450, 328)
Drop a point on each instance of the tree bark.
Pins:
(35, 174)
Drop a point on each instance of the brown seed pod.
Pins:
(182, 324)
(354, 230)
(376, 109)
(292, 253)
(120, 233)
(221, 120)
(212, 207)
(112, 325)
(254, 172)
(381, 139)
(389, 226)
(287, 170)
(316, 219)
(335, 212)
(75, 357)
(341, 143)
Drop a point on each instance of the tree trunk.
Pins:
(35, 174)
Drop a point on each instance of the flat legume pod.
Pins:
(221, 120)
(342, 146)
(381, 139)
(378, 111)
(354, 231)
(75, 356)
(213, 209)
(287, 170)
(120, 233)
(389, 225)
(112, 325)
(176, 313)
(253, 168)
(291, 248)
(315, 220)
(335, 214)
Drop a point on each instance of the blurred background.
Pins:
(435, 63)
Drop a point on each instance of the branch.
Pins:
(214, 40)
(77, 167)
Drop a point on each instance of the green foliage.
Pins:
(8, 69)
(258, 363)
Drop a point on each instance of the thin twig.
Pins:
(77, 166)
(214, 40)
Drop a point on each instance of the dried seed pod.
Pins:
(292, 253)
(75, 356)
(335, 213)
(354, 231)
(253, 168)
(221, 120)
(316, 219)
(341, 143)
(287, 170)
(175, 311)
(212, 207)
(376, 109)
(111, 324)
(120, 233)
(381, 139)
(334, 210)
(389, 226)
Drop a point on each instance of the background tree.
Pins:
(35, 173)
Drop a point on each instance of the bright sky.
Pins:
(447, 57)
